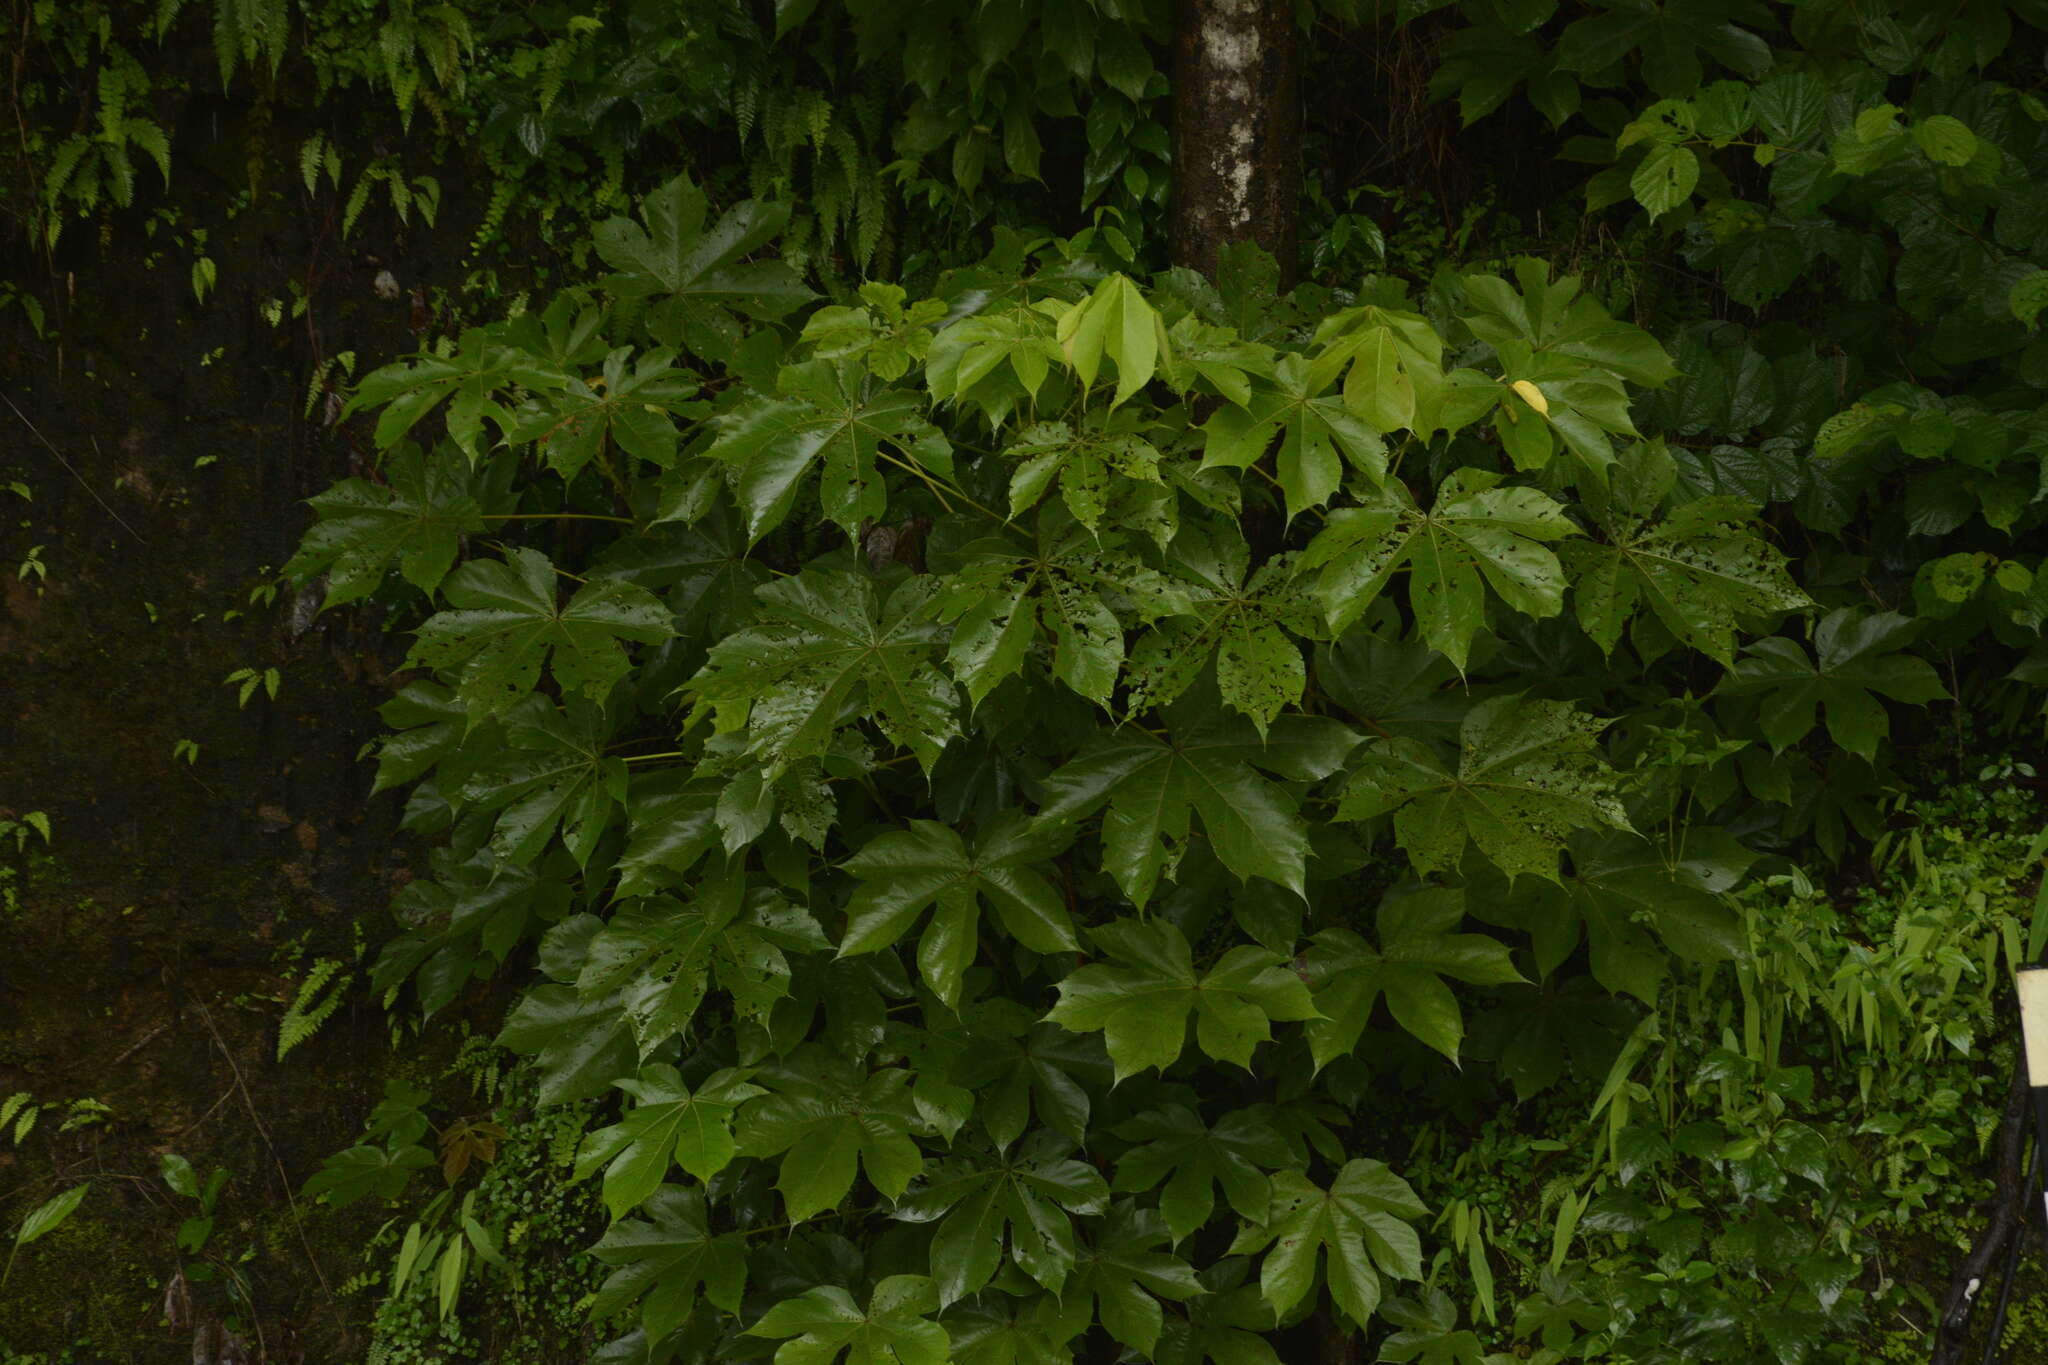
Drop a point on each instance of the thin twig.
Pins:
(298, 1223)
(73, 471)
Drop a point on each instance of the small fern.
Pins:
(309, 1009)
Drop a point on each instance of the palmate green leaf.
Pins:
(1626, 894)
(1526, 778)
(1552, 316)
(700, 274)
(508, 618)
(906, 871)
(659, 956)
(1006, 1329)
(1318, 434)
(895, 1329)
(1228, 1324)
(1022, 1201)
(1141, 1000)
(1699, 569)
(1418, 948)
(668, 1125)
(1087, 463)
(1359, 1228)
(551, 771)
(472, 381)
(1478, 534)
(580, 1044)
(666, 1258)
(631, 408)
(1173, 1144)
(1115, 323)
(1249, 626)
(1019, 1068)
(417, 516)
(1119, 1277)
(825, 1120)
(1857, 657)
(429, 723)
(825, 643)
(1076, 588)
(1154, 786)
(827, 416)
(995, 361)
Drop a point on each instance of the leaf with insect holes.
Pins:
(1477, 535)
(1014, 592)
(507, 618)
(1248, 623)
(824, 643)
(417, 516)
(1526, 778)
(1700, 569)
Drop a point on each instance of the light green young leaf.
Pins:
(1114, 322)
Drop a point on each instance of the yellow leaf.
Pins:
(1532, 395)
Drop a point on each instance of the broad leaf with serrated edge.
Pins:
(1317, 435)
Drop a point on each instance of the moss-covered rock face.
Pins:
(151, 949)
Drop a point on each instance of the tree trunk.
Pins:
(1236, 130)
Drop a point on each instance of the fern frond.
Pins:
(309, 1009)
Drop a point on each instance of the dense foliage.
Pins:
(1047, 808)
